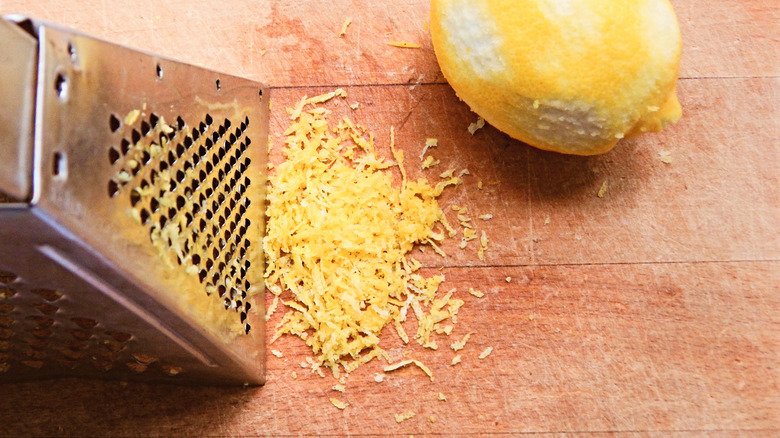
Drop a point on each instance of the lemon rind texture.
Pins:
(571, 76)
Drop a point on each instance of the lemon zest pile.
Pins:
(338, 234)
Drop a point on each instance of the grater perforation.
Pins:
(130, 246)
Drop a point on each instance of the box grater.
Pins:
(131, 213)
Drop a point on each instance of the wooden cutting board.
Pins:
(653, 310)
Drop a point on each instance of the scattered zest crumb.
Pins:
(456, 346)
(665, 157)
(403, 416)
(272, 308)
(486, 352)
(379, 378)
(276, 353)
(429, 143)
(476, 293)
(339, 388)
(404, 44)
(602, 190)
(338, 403)
(547, 220)
(294, 375)
(509, 279)
(456, 360)
(344, 26)
(486, 217)
(355, 105)
(442, 397)
(483, 244)
(404, 363)
(430, 162)
(432, 419)
(474, 127)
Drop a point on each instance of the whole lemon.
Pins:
(572, 76)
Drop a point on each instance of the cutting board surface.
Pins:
(653, 310)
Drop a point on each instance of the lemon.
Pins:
(572, 76)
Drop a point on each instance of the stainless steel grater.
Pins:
(131, 213)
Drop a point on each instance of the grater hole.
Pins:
(6, 321)
(81, 335)
(135, 197)
(106, 355)
(145, 128)
(209, 120)
(135, 136)
(120, 336)
(46, 308)
(136, 367)
(37, 343)
(61, 86)
(72, 355)
(48, 294)
(41, 333)
(113, 188)
(113, 123)
(180, 123)
(159, 71)
(247, 328)
(113, 346)
(154, 119)
(113, 155)
(145, 216)
(35, 364)
(35, 354)
(144, 359)
(6, 293)
(85, 323)
(7, 277)
(42, 321)
(124, 146)
(171, 370)
(102, 364)
(76, 345)
(219, 85)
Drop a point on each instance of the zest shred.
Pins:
(338, 237)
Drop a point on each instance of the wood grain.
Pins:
(624, 348)
(651, 311)
(296, 43)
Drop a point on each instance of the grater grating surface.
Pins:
(130, 241)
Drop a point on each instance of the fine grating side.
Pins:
(131, 247)
(188, 189)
